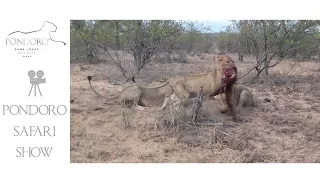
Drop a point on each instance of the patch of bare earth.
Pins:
(283, 127)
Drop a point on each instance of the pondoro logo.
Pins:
(28, 43)
(25, 41)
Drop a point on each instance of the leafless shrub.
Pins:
(189, 125)
(184, 115)
(120, 59)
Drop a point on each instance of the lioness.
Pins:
(218, 82)
(244, 97)
(135, 94)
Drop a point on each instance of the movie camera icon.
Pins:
(36, 81)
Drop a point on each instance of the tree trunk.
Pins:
(266, 65)
(259, 72)
(117, 35)
(247, 47)
(265, 49)
(266, 71)
(240, 56)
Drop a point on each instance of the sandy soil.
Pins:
(283, 127)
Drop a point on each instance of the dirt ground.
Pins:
(283, 127)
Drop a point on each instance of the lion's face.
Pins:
(226, 67)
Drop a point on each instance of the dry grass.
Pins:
(283, 127)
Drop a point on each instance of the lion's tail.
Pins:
(90, 78)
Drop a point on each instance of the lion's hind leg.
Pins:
(181, 90)
(232, 104)
(222, 103)
(171, 100)
(137, 100)
(166, 102)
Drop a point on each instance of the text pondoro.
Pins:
(26, 41)
(34, 110)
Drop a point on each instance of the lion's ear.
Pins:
(219, 59)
